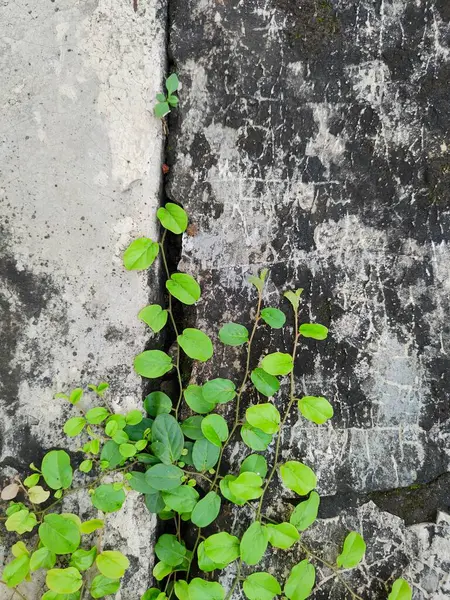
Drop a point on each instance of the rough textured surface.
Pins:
(312, 138)
(80, 170)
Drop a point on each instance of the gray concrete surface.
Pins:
(80, 163)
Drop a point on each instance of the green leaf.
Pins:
(107, 499)
(264, 417)
(103, 586)
(274, 317)
(16, 571)
(294, 298)
(205, 455)
(266, 384)
(247, 486)
(205, 590)
(75, 396)
(181, 589)
(161, 97)
(283, 535)
(21, 521)
(83, 559)
(191, 427)
(352, 552)
(152, 364)
(277, 363)
(233, 334)
(154, 594)
(218, 391)
(204, 563)
(112, 564)
(140, 254)
(169, 550)
(254, 543)
(64, 581)
(305, 513)
(56, 469)
(111, 454)
(227, 493)
(222, 548)
(157, 403)
(173, 218)
(206, 510)
(74, 426)
(59, 534)
(261, 586)
(37, 494)
(96, 415)
(43, 558)
(196, 344)
(193, 395)
(162, 109)
(154, 316)
(91, 525)
(255, 463)
(133, 417)
(127, 450)
(154, 503)
(182, 499)
(215, 429)
(161, 570)
(49, 595)
(138, 482)
(19, 549)
(257, 282)
(254, 438)
(167, 439)
(315, 409)
(140, 431)
(172, 83)
(300, 581)
(298, 477)
(31, 480)
(401, 590)
(164, 477)
(173, 100)
(184, 288)
(314, 330)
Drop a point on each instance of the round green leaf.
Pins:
(300, 581)
(37, 494)
(74, 426)
(261, 586)
(181, 499)
(64, 581)
(91, 525)
(233, 334)
(154, 503)
(16, 571)
(162, 109)
(59, 534)
(192, 427)
(264, 416)
(110, 454)
(43, 558)
(140, 254)
(154, 316)
(164, 477)
(254, 543)
(127, 450)
(169, 550)
(205, 455)
(184, 288)
(196, 344)
(205, 590)
(219, 391)
(206, 510)
(152, 364)
(255, 463)
(96, 415)
(277, 363)
(305, 513)
(167, 439)
(247, 486)
(173, 217)
(352, 552)
(314, 330)
(273, 317)
(133, 417)
(222, 548)
(315, 409)
(298, 477)
(21, 521)
(195, 400)
(156, 594)
(83, 559)
(227, 493)
(112, 564)
(107, 498)
(266, 384)
(254, 438)
(215, 429)
(205, 563)
(49, 595)
(161, 570)
(102, 586)
(157, 403)
(283, 535)
(401, 590)
(56, 469)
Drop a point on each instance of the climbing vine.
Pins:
(177, 465)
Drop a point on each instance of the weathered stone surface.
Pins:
(312, 138)
(80, 170)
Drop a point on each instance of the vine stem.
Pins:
(174, 325)
(283, 421)
(236, 580)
